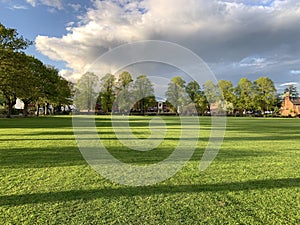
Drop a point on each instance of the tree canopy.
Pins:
(292, 90)
(143, 92)
(27, 78)
(86, 94)
(176, 94)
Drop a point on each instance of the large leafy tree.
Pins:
(143, 92)
(12, 77)
(265, 93)
(47, 82)
(197, 96)
(292, 89)
(64, 93)
(12, 62)
(202, 103)
(25, 77)
(57, 90)
(123, 81)
(211, 91)
(214, 97)
(123, 93)
(86, 92)
(176, 94)
(227, 89)
(107, 92)
(193, 90)
(245, 95)
(229, 97)
(33, 70)
(43, 86)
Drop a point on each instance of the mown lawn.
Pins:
(255, 178)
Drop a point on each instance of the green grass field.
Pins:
(255, 178)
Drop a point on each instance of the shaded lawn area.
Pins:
(255, 178)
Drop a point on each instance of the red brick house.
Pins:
(290, 106)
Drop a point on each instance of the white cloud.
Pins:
(32, 2)
(75, 7)
(288, 84)
(53, 3)
(295, 71)
(57, 4)
(253, 61)
(17, 7)
(69, 74)
(221, 32)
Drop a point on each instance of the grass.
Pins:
(254, 180)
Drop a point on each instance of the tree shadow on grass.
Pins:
(40, 157)
(37, 122)
(63, 196)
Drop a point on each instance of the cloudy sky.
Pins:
(236, 38)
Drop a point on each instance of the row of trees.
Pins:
(246, 96)
(27, 78)
(260, 95)
(126, 94)
(110, 91)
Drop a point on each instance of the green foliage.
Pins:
(10, 40)
(265, 96)
(197, 97)
(211, 92)
(86, 92)
(202, 104)
(31, 89)
(193, 90)
(12, 75)
(227, 89)
(292, 89)
(107, 92)
(2, 99)
(123, 93)
(176, 94)
(12, 63)
(124, 80)
(143, 93)
(25, 77)
(245, 95)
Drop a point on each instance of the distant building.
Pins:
(290, 106)
(19, 104)
(161, 105)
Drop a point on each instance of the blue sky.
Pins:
(39, 20)
(236, 38)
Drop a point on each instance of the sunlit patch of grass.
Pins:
(254, 179)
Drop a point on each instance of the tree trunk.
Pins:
(26, 106)
(9, 110)
(11, 102)
(143, 107)
(25, 110)
(38, 110)
(45, 109)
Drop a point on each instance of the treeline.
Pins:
(27, 78)
(123, 94)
